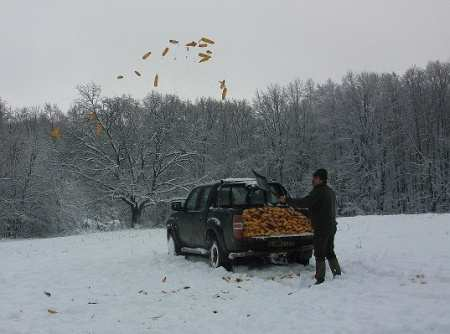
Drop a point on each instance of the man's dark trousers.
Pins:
(324, 248)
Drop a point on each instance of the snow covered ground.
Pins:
(397, 280)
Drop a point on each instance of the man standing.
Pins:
(321, 203)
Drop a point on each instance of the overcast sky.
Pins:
(48, 47)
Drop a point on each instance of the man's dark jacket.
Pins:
(321, 203)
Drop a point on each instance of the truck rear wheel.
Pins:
(304, 258)
(173, 248)
(217, 256)
(300, 257)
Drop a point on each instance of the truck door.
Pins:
(200, 216)
(186, 218)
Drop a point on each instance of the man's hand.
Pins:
(282, 199)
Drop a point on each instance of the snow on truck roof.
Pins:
(245, 180)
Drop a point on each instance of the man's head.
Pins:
(320, 176)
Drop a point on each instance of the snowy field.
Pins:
(396, 280)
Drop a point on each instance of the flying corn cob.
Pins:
(155, 81)
(55, 133)
(92, 116)
(224, 93)
(173, 41)
(146, 55)
(98, 129)
(120, 77)
(207, 40)
(202, 45)
(191, 44)
(204, 59)
(137, 73)
(166, 50)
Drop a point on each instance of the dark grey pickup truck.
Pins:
(209, 222)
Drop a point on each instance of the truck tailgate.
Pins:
(280, 242)
(266, 245)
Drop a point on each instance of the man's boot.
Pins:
(320, 271)
(334, 266)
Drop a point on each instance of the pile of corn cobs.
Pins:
(272, 221)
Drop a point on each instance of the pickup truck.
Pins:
(209, 222)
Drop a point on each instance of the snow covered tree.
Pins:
(384, 137)
(129, 150)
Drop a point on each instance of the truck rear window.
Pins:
(243, 195)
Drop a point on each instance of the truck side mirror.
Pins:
(177, 206)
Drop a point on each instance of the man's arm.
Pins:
(306, 202)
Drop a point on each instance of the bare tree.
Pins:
(385, 139)
(271, 108)
(127, 149)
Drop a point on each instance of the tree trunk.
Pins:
(136, 213)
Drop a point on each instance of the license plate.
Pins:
(281, 243)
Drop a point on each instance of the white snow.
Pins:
(250, 181)
(397, 280)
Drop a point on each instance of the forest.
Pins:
(119, 161)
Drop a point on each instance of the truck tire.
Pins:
(304, 258)
(300, 257)
(218, 257)
(173, 247)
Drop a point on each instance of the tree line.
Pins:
(384, 138)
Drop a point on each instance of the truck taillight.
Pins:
(238, 227)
